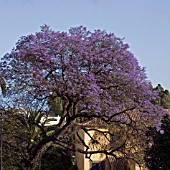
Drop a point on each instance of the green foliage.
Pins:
(14, 141)
(22, 132)
(164, 97)
(157, 155)
(56, 157)
(55, 105)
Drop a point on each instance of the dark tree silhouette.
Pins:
(157, 155)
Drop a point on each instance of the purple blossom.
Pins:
(95, 69)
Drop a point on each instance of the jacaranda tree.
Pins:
(90, 75)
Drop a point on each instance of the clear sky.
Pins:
(145, 24)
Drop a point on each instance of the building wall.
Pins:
(85, 164)
(79, 156)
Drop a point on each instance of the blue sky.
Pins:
(145, 24)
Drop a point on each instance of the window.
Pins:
(98, 165)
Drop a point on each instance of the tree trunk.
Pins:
(36, 161)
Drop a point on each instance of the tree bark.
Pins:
(35, 163)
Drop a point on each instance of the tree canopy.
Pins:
(157, 155)
(90, 75)
(21, 134)
(163, 98)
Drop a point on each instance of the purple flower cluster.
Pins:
(95, 70)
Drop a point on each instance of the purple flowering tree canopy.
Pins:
(93, 74)
(96, 71)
